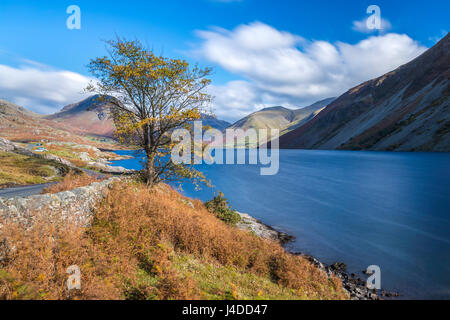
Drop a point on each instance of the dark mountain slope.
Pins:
(404, 110)
(213, 122)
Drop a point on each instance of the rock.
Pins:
(76, 205)
(261, 230)
(339, 266)
(52, 157)
(188, 203)
(84, 156)
(6, 145)
(108, 169)
(355, 287)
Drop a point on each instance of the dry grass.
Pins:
(71, 153)
(16, 169)
(66, 153)
(72, 181)
(27, 134)
(152, 245)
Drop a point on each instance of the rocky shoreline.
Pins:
(263, 230)
(354, 285)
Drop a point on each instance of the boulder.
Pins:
(108, 169)
(84, 156)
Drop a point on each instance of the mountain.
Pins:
(9, 110)
(303, 115)
(270, 118)
(90, 116)
(280, 118)
(21, 125)
(404, 110)
(213, 122)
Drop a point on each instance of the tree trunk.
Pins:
(149, 173)
(150, 170)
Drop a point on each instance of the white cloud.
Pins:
(436, 39)
(361, 26)
(40, 88)
(282, 68)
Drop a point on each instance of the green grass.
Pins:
(218, 282)
(16, 169)
(215, 282)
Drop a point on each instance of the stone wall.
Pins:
(76, 205)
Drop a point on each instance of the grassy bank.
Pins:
(16, 169)
(155, 244)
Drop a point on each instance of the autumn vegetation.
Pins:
(145, 240)
(72, 181)
(150, 96)
(17, 169)
(153, 244)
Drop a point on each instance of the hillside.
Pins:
(280, 117)
(89, 116)
(141, 244)
(213, 122)
(268, 118)
(8, 109)
(18, 124)
(303, 115)
(404, 110)
(92, 117)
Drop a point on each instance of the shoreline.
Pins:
(353, 285)
(263, 230)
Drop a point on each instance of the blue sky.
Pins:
(263, 52)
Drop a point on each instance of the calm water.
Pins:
(363, 208)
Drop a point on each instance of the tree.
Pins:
(151, 96)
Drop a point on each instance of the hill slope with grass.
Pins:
(152, 244)
(91, 116)
(18, 124)
(18, 169)
(280, 118)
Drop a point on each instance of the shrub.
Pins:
(219, 206)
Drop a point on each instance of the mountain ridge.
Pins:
(90, 116)
(279, 117)
(404, 110)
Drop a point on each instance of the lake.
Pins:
(362, 208)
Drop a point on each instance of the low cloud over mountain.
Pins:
(40, 88)
(281, 68)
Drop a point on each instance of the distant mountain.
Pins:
(404, 110)
(280, 117)
(9, 110)
(303, 115)
(213, 122)
(21, 125)
(90, 116)
(268, 118)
